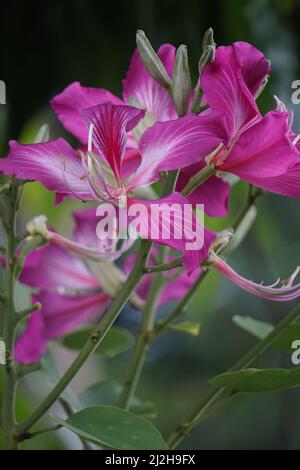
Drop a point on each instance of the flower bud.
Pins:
(181, 82)
(208, 39)
(151, 60)
(2, 352)
(207, 57)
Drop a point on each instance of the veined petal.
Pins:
(226, 92)
(68, 104)
(167, 222)
(109, 134)
(263, 150)
(51, 267)
(32, 344)
(142, 88)
(287, 184)
(58, 316)
(54, 164)
(176, 144)
(255, 67)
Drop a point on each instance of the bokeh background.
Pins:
(46, 45)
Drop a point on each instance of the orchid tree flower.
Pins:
(100, 173)
(72, 288)
(259, 149)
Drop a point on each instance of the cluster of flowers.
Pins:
(128, 144)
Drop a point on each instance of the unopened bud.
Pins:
(151, 60)
(2, 352)
(207, 57)
(181, 82)
(208, 39)
(38, 226)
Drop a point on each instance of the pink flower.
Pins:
(260, 150)
(100, 173)
(69, 294)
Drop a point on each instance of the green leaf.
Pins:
(108, 393)
(116, 341)
(258, 380)
(257, 328)
(261, 329)
(50, 371)
(189, 327)
(113, 428)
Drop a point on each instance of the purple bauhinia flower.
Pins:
(259, 149)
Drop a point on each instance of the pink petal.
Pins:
(54, 164)
(31, 345)
(255, 68)
(155, 227)
(287, 184)
(59, 315)
(71, 100)
(227, 93)
(51, 267)
(141, 87)
(264, 150)
(213, 193)
(63, 314)
(111, 124)
(175, 144)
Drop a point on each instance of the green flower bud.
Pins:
(207, 57)
(181, 82)
(208, 39)
(151, 60)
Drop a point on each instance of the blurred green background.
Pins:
(45, 46)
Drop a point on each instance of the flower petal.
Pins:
(142, 88)
(71, 100)
(111, 124)
(176, 144)
(255, 67)
(54, 164)
(52, 267)
(264, 150)
(166, 221)
(31, 345)
(213, 193)
(227, 93)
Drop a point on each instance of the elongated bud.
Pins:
(181, 81)
(207, 57)
(151, 60)
(43, 134)
(2, 352)
(208, 39)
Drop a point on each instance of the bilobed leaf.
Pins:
(189, 327)
(50, 371)
(113, 428)
(258, 380)
(261, 329)
(108, 393)
(116, 341)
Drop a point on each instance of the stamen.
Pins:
(90, 138)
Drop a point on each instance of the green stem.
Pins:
(175, 263)
(181, 307)
(10, 380)
(95, 338)
(207, 405)
(198, 179)
(144, 339)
